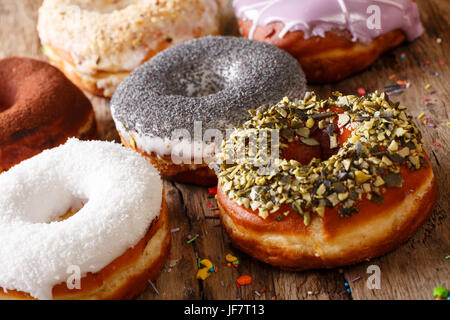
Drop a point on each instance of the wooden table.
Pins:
(410, 272)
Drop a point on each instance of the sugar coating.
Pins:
(118, 35)
(215, 80)
(122, 193)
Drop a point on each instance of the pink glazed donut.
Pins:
(331, 39)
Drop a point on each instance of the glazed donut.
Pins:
(98, 43)
(352, 182)
(330, 39)
(39, 109)
(118, 239)
(207, 84)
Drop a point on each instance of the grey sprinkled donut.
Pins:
(212, 80)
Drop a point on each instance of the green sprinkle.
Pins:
(192, 240)
(440, 292)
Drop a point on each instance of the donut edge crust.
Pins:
(200, 175)
(339, 58)
(132, 277)
(267, 249)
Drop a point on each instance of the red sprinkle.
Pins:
(427, 62)
(361, 91)
(209, 205)
(243, 280)
(437, 144)
(212, 191)
(442, 63)
(171, 256)
(426, 99)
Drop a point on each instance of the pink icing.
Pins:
(315, 17)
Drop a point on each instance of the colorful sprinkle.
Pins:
(440, 292)
(442, 63)
(203, 273)
(439, 40)
(420, 116)
(154, 287)
(210, 205)
(192, 239)
(428, 86)
(402, 56)
(174, 230)
(243, 280)
(212, 191)
(437, 144)
(230, 258)
(361, 91)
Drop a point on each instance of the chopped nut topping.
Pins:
(383, 139)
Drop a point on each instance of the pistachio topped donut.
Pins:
(98, 43)
(176, 108)
(352, 181)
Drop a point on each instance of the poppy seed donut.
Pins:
(211, 82)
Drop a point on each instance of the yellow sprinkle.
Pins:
(428, 86)
(230, 258)
(448, 123)
(420, 116)
(207, 263)
(132, 142)
(203, 273)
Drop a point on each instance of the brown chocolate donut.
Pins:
(39, 109)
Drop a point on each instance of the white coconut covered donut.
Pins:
(117, 240)
(97, 43)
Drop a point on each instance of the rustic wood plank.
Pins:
(410, 272)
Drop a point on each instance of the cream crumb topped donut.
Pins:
(97, 43)
(116, 242)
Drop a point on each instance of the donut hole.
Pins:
(60, 208)
(302, 153)
(103, 6)
(7, 99)
(194, 82)
(75, 207)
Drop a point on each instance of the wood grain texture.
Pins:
(410, 272)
